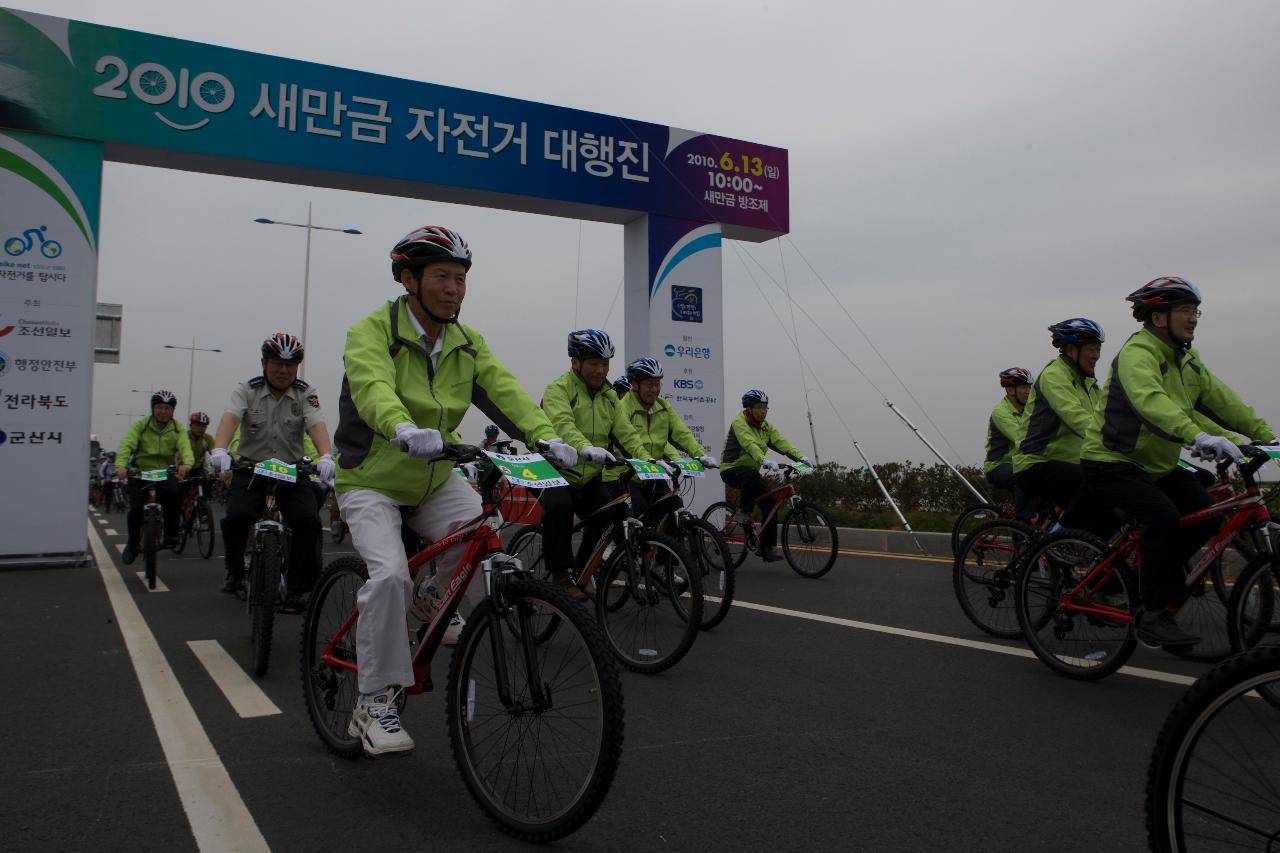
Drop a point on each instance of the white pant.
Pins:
(382, 637)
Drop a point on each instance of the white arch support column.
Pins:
(674, 312)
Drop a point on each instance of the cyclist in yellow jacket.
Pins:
(152, 443)
(1005, 429)
(412, 372)
(1159, 397)
(750, 437)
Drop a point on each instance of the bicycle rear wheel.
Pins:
(985, 571)
(1251, 613)
(330, 690)
(1073, 643)
(264, 584)
(970, 520)
(809, 541)
(204, 529)
(735, 535)
(649, 603)
(1214, 778)
(151, 523)
(712, 560)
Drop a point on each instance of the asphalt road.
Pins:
(777, 732)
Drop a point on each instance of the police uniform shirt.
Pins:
(271, 428)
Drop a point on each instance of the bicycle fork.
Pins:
(497, 569)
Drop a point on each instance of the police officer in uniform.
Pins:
(274, 410)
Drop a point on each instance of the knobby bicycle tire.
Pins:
(710, 555)
(984, 574)
(649, 603)
(736, 535)
(968, 521)
(330, 692)
(264, 584)
(151, 532)
(1075, 645)
(1217, 716)
(184, 530)
(802, 533)
(585, 695)
(204, 529)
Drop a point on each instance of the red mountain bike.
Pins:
(533, 698)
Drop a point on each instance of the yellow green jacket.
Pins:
(390, 380)
(584, 419)
(661, 430)
(1061, 410)
(745, 445)
(1004, 430)
(147, 448)
(1157, 400)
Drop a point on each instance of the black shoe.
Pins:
(1160, 629)
(570, 586)
(769, 555)
(170, 542)
(129, 554)
(295, 602)
(231, 586)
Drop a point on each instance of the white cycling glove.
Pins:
(667, 467)
(598, 455)
(220, 459)
(805, 460)
(1215, 448)
(419, 443)
(326, 469)
(470, 470)
(769, 465)
(709, 461)
(561, 455)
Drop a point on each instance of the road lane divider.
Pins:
(160, 587)
(215, 811)
(245, 696)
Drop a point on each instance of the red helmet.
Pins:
(426, 245)
(1162, 293)
(199, 418)
(1015, 376)
(283, 346)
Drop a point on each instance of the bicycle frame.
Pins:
(783, 494)
(1243, 510)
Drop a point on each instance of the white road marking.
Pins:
(1136, 671)
(241, 691)
(109, 531)
(120, 547)
(160, 587)
(218, 817)
(102, 520)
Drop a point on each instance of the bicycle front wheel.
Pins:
(204, 529)
(536, 727)
(984, 573)
(970, 520)
(264, 584)
(184, 531)
(809, 541)
(151, 524)
(1214, 778)
(735, 535)
(330, 688)
(1086, 636)
(711, 559)
(649, 603)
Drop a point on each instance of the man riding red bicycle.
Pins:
(1158, 398)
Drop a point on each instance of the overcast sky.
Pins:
(961, 175)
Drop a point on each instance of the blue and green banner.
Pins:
(275, 118)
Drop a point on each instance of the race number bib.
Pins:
(530, 470)
(691, 467)
(157, 476)
(646, 470)
(276, 470)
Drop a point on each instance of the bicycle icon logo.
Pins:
(30, 238)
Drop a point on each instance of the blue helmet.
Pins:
(590, 343)
(1077, 330)
(622, 383)
(491, 430)
(644, 368)
(755, 395)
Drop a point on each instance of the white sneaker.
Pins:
(454, 631)
(376, 721)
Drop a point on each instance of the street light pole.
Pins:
(306, 268)
(191, 372)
